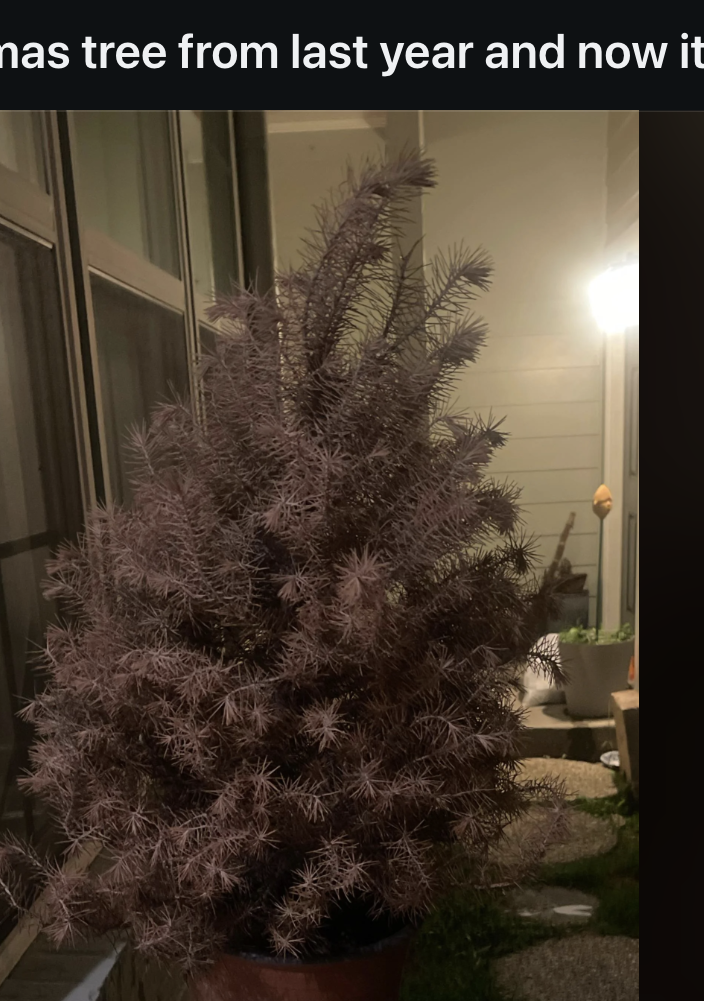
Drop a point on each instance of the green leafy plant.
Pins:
(578, 634)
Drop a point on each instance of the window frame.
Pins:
(39, 217)
(52, 218)
(200, 302)
(30, 206)
(105, 257)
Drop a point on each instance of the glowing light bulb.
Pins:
(614, 298)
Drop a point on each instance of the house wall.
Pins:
(623, 180)
(305, 165)
(530, 188)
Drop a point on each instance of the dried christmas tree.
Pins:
(287, 680)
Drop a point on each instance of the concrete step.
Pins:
(552, 733)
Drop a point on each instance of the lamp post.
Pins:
(614, 298)
(602, 502)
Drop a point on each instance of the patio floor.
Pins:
(70, 974)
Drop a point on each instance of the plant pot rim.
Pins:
(398, 938)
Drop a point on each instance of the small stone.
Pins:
(582, 779)
(576, 968)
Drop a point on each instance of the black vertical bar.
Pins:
(253, 189)
(219, 189)
(81, 302)
(20, 750)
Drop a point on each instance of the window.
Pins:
(21, 145)
(133, 244)
(151, 221)
(211, 203)
(116, 229)
(142, 359)
(126, 184)
(40, 500)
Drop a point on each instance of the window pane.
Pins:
(21, 147)
(126, 182)
(38, 480)
(24, 616)
(22, 507)
(208, 341)
(211, 207)
(39, 493)
(142, 357)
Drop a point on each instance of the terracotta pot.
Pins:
(372, 973)
(594, 671)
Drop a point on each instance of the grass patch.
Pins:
(609, 806)
(453, 955)
(613, 878)
(623, 802)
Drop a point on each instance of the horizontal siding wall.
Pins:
(622, 175)
(305, 167)
(530, 188)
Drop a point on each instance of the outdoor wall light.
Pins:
(614, 297)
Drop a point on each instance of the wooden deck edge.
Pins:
(29, 925)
